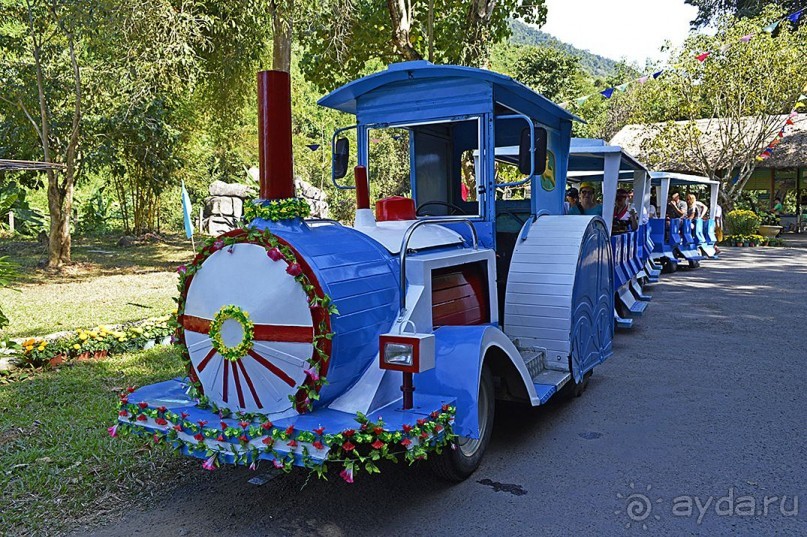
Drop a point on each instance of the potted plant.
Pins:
(769, 226)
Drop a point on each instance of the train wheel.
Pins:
(669, 266)
(465, 455)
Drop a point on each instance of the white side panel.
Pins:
(538, 303)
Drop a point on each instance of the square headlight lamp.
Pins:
(411, 353)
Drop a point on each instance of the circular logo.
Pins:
(231, 332)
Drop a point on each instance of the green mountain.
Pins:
(594, 64)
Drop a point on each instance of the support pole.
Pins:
(408, 390)
(11, 221)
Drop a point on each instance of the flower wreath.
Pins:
(355, 449)
(234, 313)
(320, 304)
(276, 210)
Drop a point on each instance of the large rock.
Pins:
(219, 205)
(220, 188)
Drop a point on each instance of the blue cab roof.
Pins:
(446, 85)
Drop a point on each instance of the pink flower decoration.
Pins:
(294, 269)
(218, 245)
(253, 466)
(210, 464)
(312, 373)
(347, 474)
(277, 463)
(113, 431)
(182, 269)
(274, 254)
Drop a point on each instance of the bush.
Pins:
(742, 222)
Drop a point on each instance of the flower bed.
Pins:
(751, 240)
(96, 343)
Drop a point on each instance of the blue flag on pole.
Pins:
(186, 211)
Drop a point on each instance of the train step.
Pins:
(548, 382)
(621, 322)
(637, 292)
(634, 307)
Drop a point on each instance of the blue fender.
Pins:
(459, 355)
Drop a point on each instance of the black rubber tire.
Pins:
(455, 465)
(669, 267)
(573, 389)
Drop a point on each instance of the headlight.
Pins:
(401, 354)
(411, 353)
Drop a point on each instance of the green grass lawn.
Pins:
(106, 285)
(58, 463)
(40, 309)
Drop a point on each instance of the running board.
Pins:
(690, 255)
(637, 291)
(709, 250)
(549, 382)
(621, 322)
(634, 307)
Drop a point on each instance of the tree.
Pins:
(44, 46)
(709, 11)
(738, 92)
(343, 39)
(549, 71)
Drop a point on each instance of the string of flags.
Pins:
(800, 103)
(609, 92)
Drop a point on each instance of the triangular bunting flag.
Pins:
(623, 87)
(702, 57)
(607, 93)
(789, 122)
(746, 38)
(798, 105)
(642, 79)
(794, 18)
(581, 100)
(658, 73)
(802, 97)
(724, 47)
(313, 147)
(771, 27)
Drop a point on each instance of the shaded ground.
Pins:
(703, 400)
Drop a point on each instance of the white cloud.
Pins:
(630, 29)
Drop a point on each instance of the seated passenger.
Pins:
(587, 201)
(625, 218)
(696, 210)
(573, 200)
(677, 208)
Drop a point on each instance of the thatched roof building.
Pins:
(782, 175)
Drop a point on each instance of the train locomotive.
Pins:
(311, 343)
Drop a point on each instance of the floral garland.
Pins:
(321, 305)
(234, 313)
(276, 210)
(355, 449)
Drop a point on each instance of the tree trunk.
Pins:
(475, 48)
(401, 15)
(281, 34)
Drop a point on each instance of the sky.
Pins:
(630, 29)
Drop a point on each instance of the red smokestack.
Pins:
(274, 135)
(362, 188)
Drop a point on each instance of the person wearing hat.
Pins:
(573, 200)
(625, 216)
(587, 201)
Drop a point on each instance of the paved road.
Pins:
(703, 400)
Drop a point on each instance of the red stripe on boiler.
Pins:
(249, 383)
(272, 367)
(288, 334)
(206, 360)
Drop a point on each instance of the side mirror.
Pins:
(341, 154)
(524, 156)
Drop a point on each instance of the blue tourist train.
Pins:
(316, 344)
